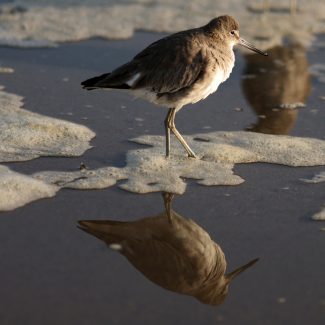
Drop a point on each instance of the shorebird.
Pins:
(172, 252)
(180, 69)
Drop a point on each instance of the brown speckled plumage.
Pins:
(179, 69)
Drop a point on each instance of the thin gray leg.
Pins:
(168, 132)
(171, 126)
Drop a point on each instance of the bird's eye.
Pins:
(232, 32)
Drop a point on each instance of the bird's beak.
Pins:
(235, 273)
(250, 46)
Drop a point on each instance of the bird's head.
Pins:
(226, 29)
(215, 292)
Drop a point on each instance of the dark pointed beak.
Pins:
(250, 46)
(235, 273)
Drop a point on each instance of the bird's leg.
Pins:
(167, 119)
(171, 125)
(168, 199)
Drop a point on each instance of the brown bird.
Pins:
(174, 253)
(180, 69)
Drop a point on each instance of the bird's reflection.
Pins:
(170, 251)
(282, 79)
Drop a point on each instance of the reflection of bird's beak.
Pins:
(250, 46)
(235, 273)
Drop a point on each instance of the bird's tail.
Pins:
(95, 83)
(89, 84)
(97, 228)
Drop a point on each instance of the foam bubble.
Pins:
(319, 216)
(16, 189)
(35, 22)
(6, 70)
(318, 70)
(318, 178)
(148, 170)
(25, 135)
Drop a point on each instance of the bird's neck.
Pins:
(217, 42)
(218, 264)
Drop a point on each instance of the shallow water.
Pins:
(40, 23)
(51, 272)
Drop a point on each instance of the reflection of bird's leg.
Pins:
(168, 199)
(266, 5)
(293, 7)
(170, 125)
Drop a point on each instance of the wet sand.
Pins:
(52, 273)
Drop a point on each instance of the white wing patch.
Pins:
(133, 79)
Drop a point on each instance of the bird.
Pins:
(172, 252)
(179, 69)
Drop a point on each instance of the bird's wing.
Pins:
(170, 64)
(156, 259)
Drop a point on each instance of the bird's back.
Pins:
(173, 71)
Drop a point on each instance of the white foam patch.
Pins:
(148, 170)
(25, 135)
(292, 105)
(6, 70)
(318, 70)
(27, 43)
(31, 22)
(318, 178)
(319, 216)
(16, 189)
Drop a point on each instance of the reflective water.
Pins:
(172, 252)
(283, 79)
(53, 273)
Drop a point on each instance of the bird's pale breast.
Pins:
(218, 74)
